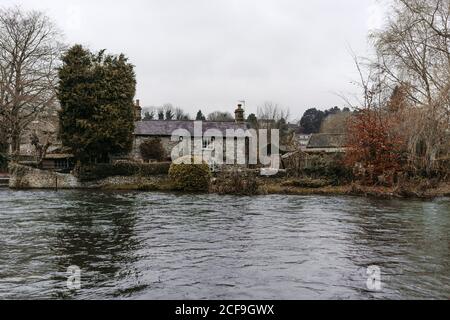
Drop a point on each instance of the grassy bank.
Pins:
(408, 191)
(275, 187)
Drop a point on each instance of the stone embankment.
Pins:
(23, 177)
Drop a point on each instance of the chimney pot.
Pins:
(137, 111)
(239, 114)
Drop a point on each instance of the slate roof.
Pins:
(327, 141)
(166, 128)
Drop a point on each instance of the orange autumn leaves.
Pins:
(375, 145)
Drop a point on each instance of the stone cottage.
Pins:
(59, 158)
(327, 143)
(206, 138)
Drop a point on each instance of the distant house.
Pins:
(303, 140)
(58, 159)
(45, 127)
(327, 143)
(312, 147)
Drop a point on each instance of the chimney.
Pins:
(239, 114)
(137, 111)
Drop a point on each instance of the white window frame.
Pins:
(208, 143)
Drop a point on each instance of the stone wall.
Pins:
(23, 177)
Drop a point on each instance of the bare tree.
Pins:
(273, 116)
(220, 116)
(414, 49)
(181, 115)
(272, 111)
(30, 48)
(408, 51)
(41, 147)
(410, 79)
(435, 13)
(270, 114)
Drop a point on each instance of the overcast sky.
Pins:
(208, 54)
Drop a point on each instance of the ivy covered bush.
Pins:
(190, 177)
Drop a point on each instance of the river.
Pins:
(131, 245)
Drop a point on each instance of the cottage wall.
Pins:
(240, 149)
(167, 144)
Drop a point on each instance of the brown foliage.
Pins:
(374, 145)
(237, 182)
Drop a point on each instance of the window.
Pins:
(208, 143)
(61, 164)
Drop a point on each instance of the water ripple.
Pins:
(132, 245)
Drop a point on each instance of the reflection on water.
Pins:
(166, 246)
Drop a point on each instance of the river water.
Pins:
(170, 246)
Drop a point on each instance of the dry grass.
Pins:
(410, 191)
(160, 184)
(276, 188)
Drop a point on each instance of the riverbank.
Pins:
(23, 177)
(442, 190)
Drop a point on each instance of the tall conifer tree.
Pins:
(96, 93)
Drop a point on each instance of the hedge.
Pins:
(102, 171)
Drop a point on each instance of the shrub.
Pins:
(102, 171)
(375, 144)
(190, 177)
(152, 149)
(328, 167)
(237, 182)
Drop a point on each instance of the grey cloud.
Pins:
(210, 54)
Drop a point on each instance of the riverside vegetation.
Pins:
(197, 178)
